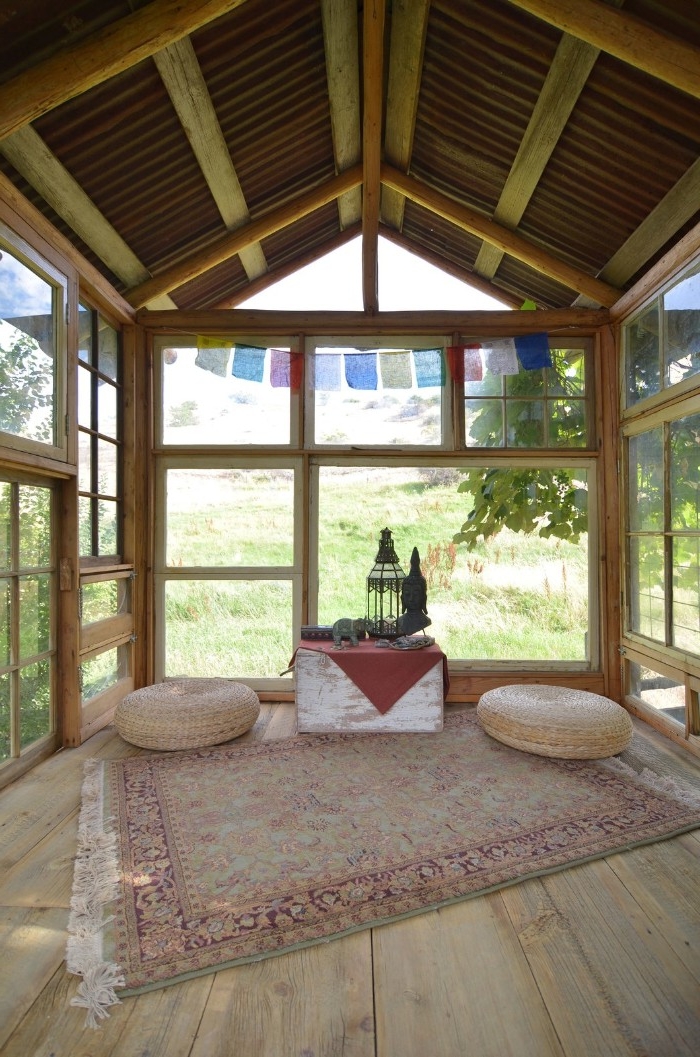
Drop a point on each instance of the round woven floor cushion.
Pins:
(186, 713)
(555, 721)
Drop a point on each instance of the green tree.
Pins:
(26, 386)
(545, 502)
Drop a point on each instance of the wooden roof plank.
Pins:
(409, 24)
(228, 245)
(373, 53)
(40, 167)
(182, 76)
(341, 42)
(106, 53)
(625, 36)
(566, 78)
(506, 240)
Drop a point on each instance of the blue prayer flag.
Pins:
(248, 363)
(533, 351)
(430, 367)
(361, 370)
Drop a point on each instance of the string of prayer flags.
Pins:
(213, 355)
(286, 369)
(500, 356)
(326, 374)
(533, 351)
(248, 363)
(395, 369)
(361, 370)
(430, 367)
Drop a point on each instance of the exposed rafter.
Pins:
(624, 36)
(409, 24)
(41, 168)
(341, 41)
(182, 77)
(507, 241)
(373, 53)
(572, 63)
(110, 51)
(221, 249)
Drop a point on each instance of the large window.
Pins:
(331, 445)
(32, 350)
(661, 437)
(27, 615)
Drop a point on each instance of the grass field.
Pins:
(514, 597)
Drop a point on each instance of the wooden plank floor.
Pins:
(602, 960)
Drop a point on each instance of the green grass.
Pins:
(513, 598)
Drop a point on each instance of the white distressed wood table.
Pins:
(366, 688)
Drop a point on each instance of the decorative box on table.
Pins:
(366, 688)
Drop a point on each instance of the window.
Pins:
(255, 542)
(99, 436)
(32, 350)
(662, 341)
(27, 615)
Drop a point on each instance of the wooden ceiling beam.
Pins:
(373, 53)
(565, 80)
(625, 36)
(341, 43)
(41, 168)
(506, 240)
(409, 24)
(78, 67)
(182, 76)
(227, 245)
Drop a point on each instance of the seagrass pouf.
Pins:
(555, 721)
(186, 713)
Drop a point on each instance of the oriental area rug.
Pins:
(189, 862)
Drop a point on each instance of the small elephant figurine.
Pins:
(346, 628)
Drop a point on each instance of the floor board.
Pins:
(602, 960)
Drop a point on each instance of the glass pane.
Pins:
(84, 461)
(5, 718)
(106, 669)
(646, 481)
(203, 403)
(27, 352)
(658, 691)
(85, 525)
(490, 385)
(5, 525)
(104, 599)
(647, 594)
(686, 593)
(230, 517)
(515, 597)
(525, 383)
(360, 404)
(84, 333)
(34, 615)
(483, 423)
(566, 427)
(525, 423)
(34, 702)
(106, 409)
(567, 377)
(643, 358)
(108, 350)
(34, 526)
(84, 397)
(5, 625)
(685, 473)
(107, 468)
(682, 329)
(228, 628)
(107, 518)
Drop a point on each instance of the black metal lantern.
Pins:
(384, 591)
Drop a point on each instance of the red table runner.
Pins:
(382, 674)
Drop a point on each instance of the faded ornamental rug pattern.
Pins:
(192, 861)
